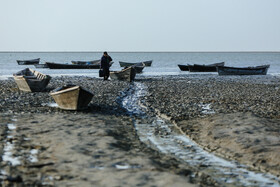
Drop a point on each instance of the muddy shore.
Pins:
(234, 117)
(237, 118)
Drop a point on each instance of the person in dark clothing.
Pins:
(105, 65)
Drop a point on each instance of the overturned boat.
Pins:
(29, 80)
(72, 97)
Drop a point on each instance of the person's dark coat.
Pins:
(105, 65)
(105, 62)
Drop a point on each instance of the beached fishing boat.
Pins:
(53, 65)
(72, 97)
(257, 70)
(138, 67)
(205, 68)
(127, 64)
(127, 74)
(183, 67)
(28, 62)
(41, 65)
(29, 80)
(86, 62)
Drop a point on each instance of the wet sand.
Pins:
(86, 150)
(99, 146)
(235, 117)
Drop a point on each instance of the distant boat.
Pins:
(205, 68)
(53, 65)
(29, 80)
(127, 64)
(257, 70)
(72, 97)
(183, 67)
(127, 74)
(41, 65)
(28, 62)
(86, 62)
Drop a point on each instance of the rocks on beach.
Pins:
(214, 111)
(218, 111)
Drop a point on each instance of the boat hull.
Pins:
(31, 80)
(127, 74)
(72, 98)
(258, 70)
(183, 67)
(53, 65)
(86, 62)
(128, 64)
(28, 62)
(204, 68)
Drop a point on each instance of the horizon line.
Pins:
(140, 51)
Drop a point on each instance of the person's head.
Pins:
(105, 53)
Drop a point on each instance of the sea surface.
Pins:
(164, 63)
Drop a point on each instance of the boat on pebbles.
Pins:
(72, 97)
(127, 74)
(29, 80)
(257, 70)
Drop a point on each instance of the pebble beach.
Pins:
(234, 117)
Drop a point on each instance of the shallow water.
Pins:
(164, 137)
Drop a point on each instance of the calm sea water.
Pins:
(164, 63)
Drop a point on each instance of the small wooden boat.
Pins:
(127, 64)
(127, 74)
(53, 65)
(205, 68)
(138, 67)
(28, 62)
(41, 65)
(72, 97)
(86, 62)
(257, 70)
(183, 67)
(29, 80)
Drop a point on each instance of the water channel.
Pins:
(163, 136)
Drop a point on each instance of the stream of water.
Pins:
(164, 137)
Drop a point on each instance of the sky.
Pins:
(140, 25)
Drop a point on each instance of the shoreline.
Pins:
(179, 98)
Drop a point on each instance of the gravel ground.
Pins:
(203, 106)
(237, 117)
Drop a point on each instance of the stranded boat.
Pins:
(86, 62)
(127, 74)
(53, 65)
(127, 64)
(183, 67)
(28, 62)
(205, 68)
(29, 80)
(72, 97)
(257, 70)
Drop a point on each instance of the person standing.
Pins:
(105, 65)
